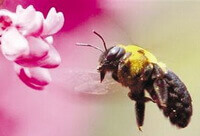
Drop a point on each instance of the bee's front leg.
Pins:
(144, 81)
(114, 76)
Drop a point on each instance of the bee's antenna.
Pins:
(85, 44)
(104, 43)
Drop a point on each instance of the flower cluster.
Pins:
(26, 39)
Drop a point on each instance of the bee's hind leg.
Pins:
(160, 86)
(161, 90)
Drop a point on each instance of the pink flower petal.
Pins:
(53, 22)
(6, 20)
(4, 12)
(14, 44)
(38, 49)
(52, 60)
(29, 21)
(35, 78)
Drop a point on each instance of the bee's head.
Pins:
(109, 58)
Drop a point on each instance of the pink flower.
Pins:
(26, 39)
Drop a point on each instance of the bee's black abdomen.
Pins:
(179, 106)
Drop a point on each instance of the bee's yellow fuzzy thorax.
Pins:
(139, 58)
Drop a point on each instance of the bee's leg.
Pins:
(147, 72)
(144, 77)
(157, 72)
(160, 86)
(144, 99)
(114, 76)
(161, 90)
(139, 108)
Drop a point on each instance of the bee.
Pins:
(139, 70)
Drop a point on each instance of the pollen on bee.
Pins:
(156, 88)
(141, 51)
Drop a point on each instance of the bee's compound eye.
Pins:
(120, 53)
(112, 53)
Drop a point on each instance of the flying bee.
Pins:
(139, 70)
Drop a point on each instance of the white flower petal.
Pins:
(30, 22)
(52, 60)
(19, 9)
(38, 49)
(49, 39)
(40, 76)
(13, 44)
(25, 16)
(53, 22)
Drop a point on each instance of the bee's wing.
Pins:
(87, 81)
